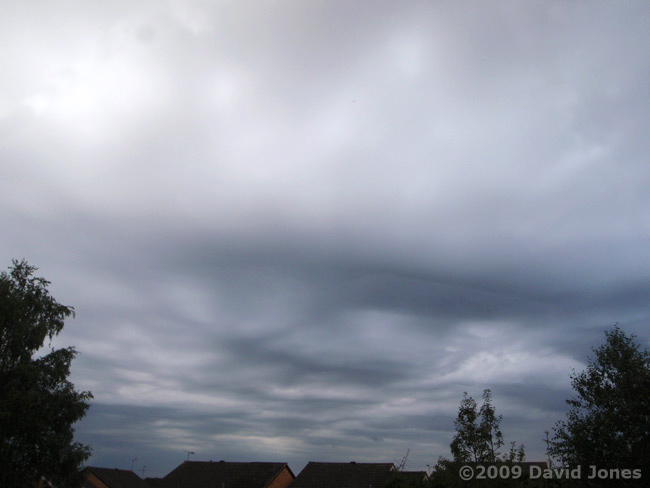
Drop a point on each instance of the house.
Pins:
(155, 482)
(344, 475)
(112, 478)
(222, 474)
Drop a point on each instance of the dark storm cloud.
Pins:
(289, 366)
(289, 334)
(339, 281)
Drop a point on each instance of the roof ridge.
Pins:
(348, 462)
(235, 462)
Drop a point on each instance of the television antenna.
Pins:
(402, 463)
(188, 454)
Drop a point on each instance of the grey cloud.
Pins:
(301, 232)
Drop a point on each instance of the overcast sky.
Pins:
(299, 230)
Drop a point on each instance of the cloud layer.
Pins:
(300, 230)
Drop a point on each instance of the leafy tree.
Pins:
(608, 424)
(477, 440)
(38, 405)
(478, 435)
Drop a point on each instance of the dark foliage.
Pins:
(477, 442)
(478, 435)
(608, 425)
(38, 405)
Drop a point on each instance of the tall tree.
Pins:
(608, 425)
(478, 435)
(478, 439)
(38, 405)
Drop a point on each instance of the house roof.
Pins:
(222, 474)
(116, 478)
(155, 482)
(344, 475)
